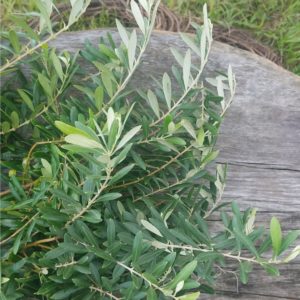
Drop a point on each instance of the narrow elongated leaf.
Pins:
(192, 296)
(17, 243)
(26, 99)
(15, 121)
(68, 129)
(150, 227)
(188, 127)
(47, 170)
(179, 58)
(151, 294)
(57, 65)
(111, 231)
(187, 69)
(276, 235)
(230, 78)
(132, 49)
(272, 270)
(138, 160)
(128, 136)
(113, 134)
(99, 93)
(45, 83)
(289, 239)
(83, 141)
(294, 253)
(145, 5)
(120, 174)
(203, 47)
(109, 197)
(184, 274)
(77, 7)
(137, 246)
(14, 40)
(106, 79)
(123, 33)
(152, 99)
(167, 89)
(243, 238)
(190, 43)
(138, 16)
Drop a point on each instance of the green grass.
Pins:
(274, 22)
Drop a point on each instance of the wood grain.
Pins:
(260, 141)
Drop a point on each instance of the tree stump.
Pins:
(260, 141)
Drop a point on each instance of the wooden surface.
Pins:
(260, 140)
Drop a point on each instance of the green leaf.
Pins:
(111, 231)
(210, 157)
(93, 216)
(245, 240)
(109, 197)
(151, 227)
(65, 293)
(190, 43)
(138, 160)
(113, 134)
(47, 169)
(26, 99)
(177, 56)
(77, 7)
(5, 126)
(186, 69)
(51, 214)
(123, 33)
(99, 97)
(288, 240)
(188, 127)
(106, 79)
(272, 270)
(152, 99)
(138, 16)
(192, 296)
(68, 129)
(200, 136)
(184, 274)
(276, 236)
(128, 136)
(17, 242)
(151, 294)
(145, 5)
(294, 253)
(87, 233)
(83, 141)
(137, 246)
(167, 89)
(45, 83)
(57, 65)
(15, 121)
(14, 40)
(100, 253)
(132, 49)
(245, 268)
(121, 173)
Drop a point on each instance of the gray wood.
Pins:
(260, 140)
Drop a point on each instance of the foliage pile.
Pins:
(107, 200)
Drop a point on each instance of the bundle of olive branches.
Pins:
(108, 200)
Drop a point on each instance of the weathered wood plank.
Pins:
(260, 140)
(286, 286)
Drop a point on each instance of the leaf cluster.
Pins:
(108, 200)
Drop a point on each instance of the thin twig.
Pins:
(18, 230)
